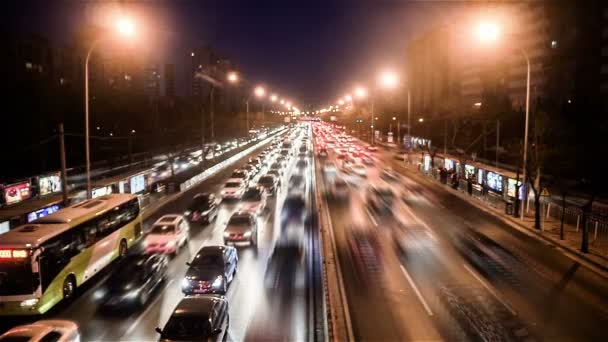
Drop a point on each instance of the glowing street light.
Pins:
(487, 31)
(348, 98)
(232, 77)
(259, 91)
(125, 26)
(273, 98)
(388, 79)
(288, 104)
(282, 101)
(341, 102)
(421, 120)
(360, 92)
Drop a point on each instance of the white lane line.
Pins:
(371, 217)
(491, 290)
(413, 285)
(143, 314)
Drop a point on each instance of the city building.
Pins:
(152, 81)
(169, 79)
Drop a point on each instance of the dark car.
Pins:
(380, 199)
(301, 164)
(269, 183)
(197, 318)
(134, 281)
(276, 173)
(294, 208)
(211, 270)
(240, 173)
(251, 169)
(203, 209)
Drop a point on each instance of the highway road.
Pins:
(459, 273)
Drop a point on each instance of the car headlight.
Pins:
(217, 282)
(99, 294)
(29, 302)
(247, 234)
(223, 192)
(185, 283)
(171, 244)
(226, 234)
(187, 212)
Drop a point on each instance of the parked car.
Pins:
(197, 318)
(211, 270)
(233, 189)
(167, 235)
(242, 228)
(269, 183)
(253, 200)
(43, 331)
(203, 208)
(134, 282)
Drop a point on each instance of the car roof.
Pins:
(200, 305)
(168, 219)
(212, 250)
(40, 328)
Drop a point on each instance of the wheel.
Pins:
(69, 286)
(122, 249)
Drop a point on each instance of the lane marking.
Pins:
(491, 290)
(371, 217)
(143, 314)
(418, 294)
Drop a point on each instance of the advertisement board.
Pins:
(427, 162)
(16, 193)
(5, 227)
(49, 184)
(138, 184)
(480, 177)
(448, 164)
(494, 181)
(121, 186)
(42, 212)
(469, 171)
(511, 185)
(105, 190)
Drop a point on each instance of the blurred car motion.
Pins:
(203, 209)
(211, 270)
(168, 234)
(44, 331)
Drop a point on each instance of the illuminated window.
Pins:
(554, 44)
(28, 65)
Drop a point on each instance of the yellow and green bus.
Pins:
(44, 262)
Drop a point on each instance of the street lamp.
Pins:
(232, 77)
(273, 98)
(348, 98)
(259, 91)
(388, 79)
(421, 120)
(360, 92)
(126, 28)
(488, 32)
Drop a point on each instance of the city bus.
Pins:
(44, 262)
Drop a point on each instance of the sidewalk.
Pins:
(596, 259)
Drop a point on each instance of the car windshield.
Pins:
(252, 195)
(232, 185)
(16, 277)
(160, 229)
(187, 327)
(208, 259)
(238, 174)
(200, 203)
(266, 180)
(239, 220)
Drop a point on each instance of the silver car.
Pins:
(242, 229)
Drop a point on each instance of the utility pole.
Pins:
(445, 137)
(211, 109)
(485, 134)
(497, 140)
(64, 172)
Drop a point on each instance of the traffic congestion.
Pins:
(210, 263)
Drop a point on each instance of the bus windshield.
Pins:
(16, 277)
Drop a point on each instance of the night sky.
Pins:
(311, 51)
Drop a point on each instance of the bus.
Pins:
(44, 262)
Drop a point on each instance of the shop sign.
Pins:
(49, 184)
(16, 193)
(98, 192)
(480, 177)
(469, 171)
(34, 215)
(448, 164)
(5, 227)
(427, 162)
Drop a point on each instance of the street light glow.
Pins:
(421, 120)
(341, 102)
(394, 118)
(259, 91)
(232, 77)
(273, 98)
(360, 92)
(282, 101)
(487, 31)
(348, 98)
(388, 79)
(125, 26)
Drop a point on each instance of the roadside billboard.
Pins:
(49, 184)
(18, 192)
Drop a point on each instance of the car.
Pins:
(297, 183)
(286, 152)
(269, 183)
(251, 169)
(302, 155)
(168, 234)
(277, 167)
(241, 174)
(359, 170)
(242, 228)
(372, 148)
(197, 318)
(281, 160)
(134, 282)
(233, 189)
(389, 175)
(253, 200)
(339, 189)
(322, 153)
(330, 168)
(301, 164)
(380, 199)
(277, 174)
(294, 208)
(203, 208)
(211, 270)
(43, 331)
(367, 160)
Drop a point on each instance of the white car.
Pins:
(330, 169)
(339, 189)
(253, 200)
(233, 188)
(359, 169)
(168, 234)
(44, 330)
(242, 228)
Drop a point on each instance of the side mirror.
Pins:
(216, 331)
(188, 263)
(157, 329)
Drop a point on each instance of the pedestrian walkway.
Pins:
(597, 258)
